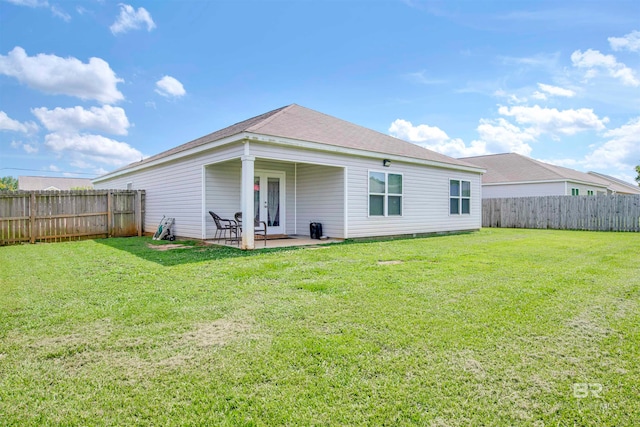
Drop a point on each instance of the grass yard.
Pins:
(498, 327)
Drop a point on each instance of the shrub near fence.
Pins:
(52, 216)
(591, 213)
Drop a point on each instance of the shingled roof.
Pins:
(300, 123)
(617, 185)
(512, 167)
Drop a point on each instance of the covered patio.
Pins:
(286, 195)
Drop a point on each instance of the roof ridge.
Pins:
(277, 112)
(613, 178)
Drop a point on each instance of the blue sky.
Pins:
(88, 86)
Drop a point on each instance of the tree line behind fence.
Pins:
(593, 213)
(53, 216)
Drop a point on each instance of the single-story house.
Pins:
(615, 185)
(515, 175)
(293, 166)
(51, 183)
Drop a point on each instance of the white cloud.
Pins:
(54, 168)
(593, 60)
(56, 11)
(30, 149)
(630, 42)
(498, 136)
(94, 148)
(621, 151)
(7, 123)
(107, 119)
(404, 129)
(63, 76)
(539, 95)
(433, 138)
(421, 77)
(510, 97)
(60, 13)
(131, 19)
(169, 86)
(553, 121)
(29, 3)
(556, 91)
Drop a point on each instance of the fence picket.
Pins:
(599, 213)
(52, 216)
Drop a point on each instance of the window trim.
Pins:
(385, 195)
(459, 197)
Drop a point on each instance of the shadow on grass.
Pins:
(161, 252)
(164, 253)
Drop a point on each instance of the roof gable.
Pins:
(300, 123)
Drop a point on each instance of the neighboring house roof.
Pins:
(617, 185)
(515, 168)
(299, 123)
(52, 183)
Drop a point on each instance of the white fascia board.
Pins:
(195, 150)
(355, 152)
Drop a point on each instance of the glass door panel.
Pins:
(268, 193)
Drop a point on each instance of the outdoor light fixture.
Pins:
(386, 163)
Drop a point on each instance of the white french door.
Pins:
(268, 200)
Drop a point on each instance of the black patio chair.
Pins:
(224, 226)
(259, 227)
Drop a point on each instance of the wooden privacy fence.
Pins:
(593, 213)
(53, 216)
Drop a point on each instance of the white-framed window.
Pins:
(575, 191)
(385, 194)
(589, 192)
(459, 197)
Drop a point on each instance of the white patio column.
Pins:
(246, 195)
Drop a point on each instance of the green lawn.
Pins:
(498, 327)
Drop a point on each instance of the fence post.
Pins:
(109, 212)
(32, 217)
(139, 212)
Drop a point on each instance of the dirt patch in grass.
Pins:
(218, 333)
(167, 247)
(392, 262)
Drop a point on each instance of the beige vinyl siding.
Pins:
(320, 192)
(174, 189)
(426, 193)
(222, 192)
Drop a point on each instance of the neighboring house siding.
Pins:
(320, 191)
(174, 189)
(562, 188)
(583, 189)
(524, 190)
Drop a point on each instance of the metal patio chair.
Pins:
(259, 227)
(224, 227)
